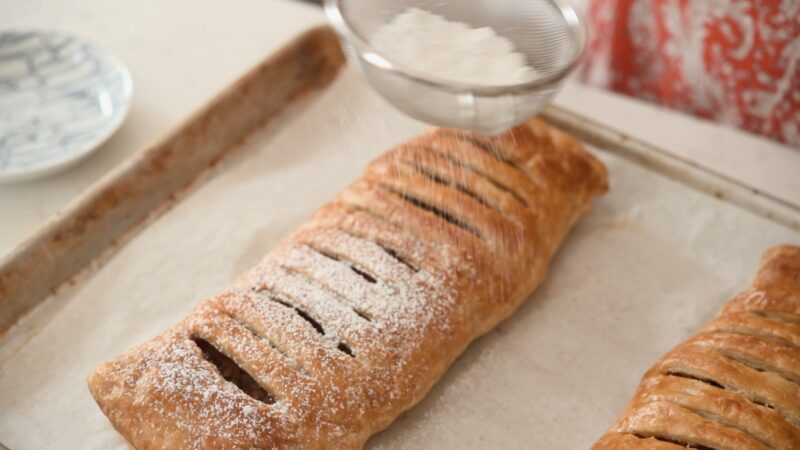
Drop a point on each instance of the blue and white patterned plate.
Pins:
(60, 98)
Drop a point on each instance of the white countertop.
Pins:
(181, 53)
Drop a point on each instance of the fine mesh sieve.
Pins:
(549, 32)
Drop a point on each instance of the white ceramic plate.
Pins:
(60, 98)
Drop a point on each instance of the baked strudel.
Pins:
(350, 320)
(733, 385)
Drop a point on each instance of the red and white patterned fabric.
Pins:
(734, 61)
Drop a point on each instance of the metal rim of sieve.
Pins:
(572, 19)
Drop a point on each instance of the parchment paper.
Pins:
(650, 263)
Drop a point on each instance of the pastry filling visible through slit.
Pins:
(711, 382)
(263, 338)
(396, 256)
(232, 373)
(440, 179)
(442, 214)
(310, 320)
(362, 273)
(334, 295)
(692, 377)
(465, 165)
(345, 348)
(388, 250)
(307, 317)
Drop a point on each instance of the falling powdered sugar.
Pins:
(433, 46)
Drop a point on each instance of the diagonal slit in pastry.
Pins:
(375, 214)
(307, 317)
(714, 417)
(303, 315)
(483, 146)
(336, 296)
(676, 442)
(364, 275)
(263, 338)
(710, 382)
(353, 266)
(494, 151)
(752, 332)
(477, 171)
(707, 381)
(396, 255)
(757, 366)
(442, 214)
(440, 179)
(385, 247)
(233, 373)
(345, 348)
(779, 316)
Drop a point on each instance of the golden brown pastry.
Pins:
(353, 317)
(735, 384)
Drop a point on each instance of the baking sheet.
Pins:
(652, 261)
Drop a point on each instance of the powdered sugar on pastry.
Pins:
(351, 319)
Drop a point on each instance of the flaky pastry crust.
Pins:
(733, 385)
(353, 317)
